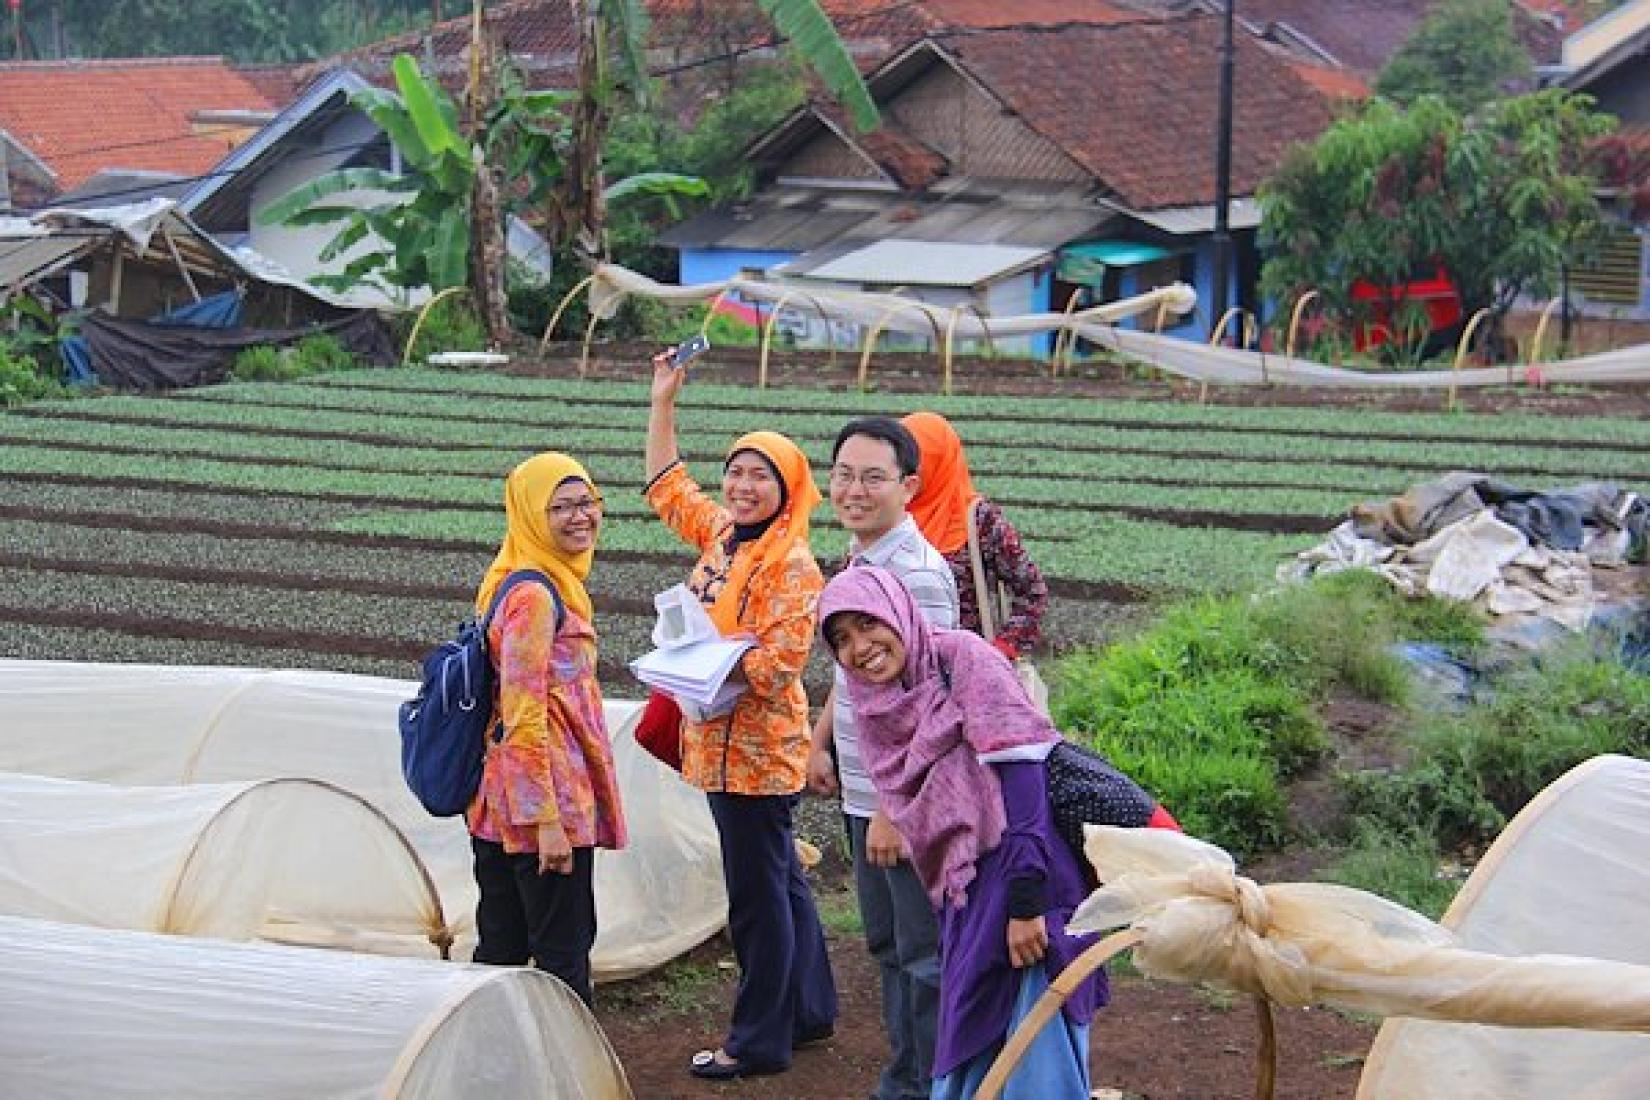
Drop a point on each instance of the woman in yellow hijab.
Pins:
(757, 577)
(549, 794)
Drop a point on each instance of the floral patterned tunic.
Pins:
(555, 762)
(1006, 561)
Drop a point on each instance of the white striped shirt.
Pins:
(927, 575)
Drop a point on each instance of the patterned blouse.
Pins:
(1006, 561)
(555, 762)
(761, 746)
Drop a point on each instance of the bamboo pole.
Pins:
(567, 299)
(1533, 374)
(1461, 351)
(1049, 1004)
(418, 325)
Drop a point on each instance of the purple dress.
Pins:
(978, 984)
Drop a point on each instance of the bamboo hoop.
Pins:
(1533, 375)
(1062, 340)
(1461, 351)
(871, 342)
(418, 325)
(584, 353)
(704, 328)
(1246, 339)
(1049, 1004)
(544, 341)
(1295, 321)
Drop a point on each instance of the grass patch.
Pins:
(690, 986)
(1400, 866)
(839, 914)
(1211, 709)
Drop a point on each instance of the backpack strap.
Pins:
(521, 576)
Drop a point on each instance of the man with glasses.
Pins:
(873, 478)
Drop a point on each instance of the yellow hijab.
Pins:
(789, 527)
(527, 540)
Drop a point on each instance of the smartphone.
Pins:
(689, 350)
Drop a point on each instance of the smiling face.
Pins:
(574, 516)
(868, 491)
(750, 489)
(866, 647)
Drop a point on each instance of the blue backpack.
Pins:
(444, 729)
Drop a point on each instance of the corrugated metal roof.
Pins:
(920, 263)
(799, 219)
(1188, 220)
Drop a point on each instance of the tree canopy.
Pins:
(1465, 52)
(1501, 199)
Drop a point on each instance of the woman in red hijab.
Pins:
(942, 508)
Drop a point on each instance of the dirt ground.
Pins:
(1155, 1041)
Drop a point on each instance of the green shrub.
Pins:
(1211, 709)
(266, 363)
(21, 379)
(723, 331)
(1471, 771)
(321, 353)
(1400, 866)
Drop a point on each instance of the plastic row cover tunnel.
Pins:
(117, 1015)
(162, 725)
(292, 860)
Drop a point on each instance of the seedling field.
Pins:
(343, 522)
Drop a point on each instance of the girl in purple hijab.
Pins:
(957, 753)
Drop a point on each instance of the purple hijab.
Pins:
(922, 738)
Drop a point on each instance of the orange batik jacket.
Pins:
(761, 746)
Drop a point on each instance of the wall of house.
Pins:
(713, 265)
(1198, 324)
(297, 247)
(951, 115)
(1027, 292)
(828, 157)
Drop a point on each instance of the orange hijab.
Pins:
(527, 540)
(788, 528)
(947, 493)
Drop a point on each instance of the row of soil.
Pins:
(1198, 429)
(1073, 418)
(1066, 588)
(584, 453)
(1266, 523)
(1505, 467)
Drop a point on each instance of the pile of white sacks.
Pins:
(1468, 537)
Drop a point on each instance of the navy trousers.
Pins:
(523, 915)
(786, 990)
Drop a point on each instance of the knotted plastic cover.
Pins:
(172, 725)
(1307, 943)
(87, 1012)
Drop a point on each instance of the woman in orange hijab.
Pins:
(757, 577)
(944, 503)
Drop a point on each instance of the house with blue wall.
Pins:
(1082, 154)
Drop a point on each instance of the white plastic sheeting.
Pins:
(152, 724)
(90, 1012)
(1569, 874)
(281, 859)
(1186, 358)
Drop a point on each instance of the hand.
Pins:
(667, 378)
(822, 774)
(1027, 941)
(884, 847)
(555, 853)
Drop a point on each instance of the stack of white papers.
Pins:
(693, 661)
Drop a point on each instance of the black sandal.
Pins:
(706, 1066)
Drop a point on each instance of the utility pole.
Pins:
(1222, 239)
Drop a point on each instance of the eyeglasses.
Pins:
(590, 506)
(873, 479)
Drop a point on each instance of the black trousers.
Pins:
(522, 915)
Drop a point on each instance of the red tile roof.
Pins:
(82, 116)
(1135, 104)
(1364, 34)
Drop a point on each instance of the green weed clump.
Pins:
(1473, 770)
(21, 379)
(452, 324)
(1212, 709)
(265, 363)
(321, 353)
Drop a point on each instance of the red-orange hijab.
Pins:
(942, 504)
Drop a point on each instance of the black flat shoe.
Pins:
(708, 1067)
